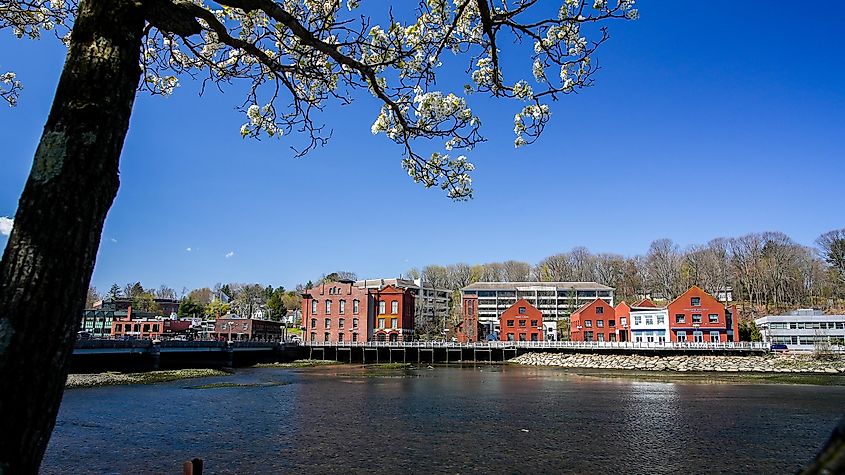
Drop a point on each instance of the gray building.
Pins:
(804, 330)
(557, 300)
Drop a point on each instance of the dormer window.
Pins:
(695, 301)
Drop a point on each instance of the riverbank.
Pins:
(114, 379)
(771, 363)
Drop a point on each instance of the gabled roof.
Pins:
(589, 304)
(694, 287)
(644, 303)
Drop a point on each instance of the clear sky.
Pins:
(712, 119)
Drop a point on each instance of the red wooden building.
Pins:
(697, 316)
(594, 321)
(521, 322)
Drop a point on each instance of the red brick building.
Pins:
(337, 312)
(521, 322)
(394, 313)
(594, 321)
(697, 316)
(232, 328)
(148, 328)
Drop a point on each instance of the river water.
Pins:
(490, 419)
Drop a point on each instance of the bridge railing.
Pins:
(746, 346)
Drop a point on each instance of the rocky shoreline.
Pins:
(772, 363)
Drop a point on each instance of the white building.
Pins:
(803, 330)
(649, 324)
(557, 300)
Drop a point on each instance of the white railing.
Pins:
(747, 346)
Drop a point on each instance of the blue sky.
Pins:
(715, 119)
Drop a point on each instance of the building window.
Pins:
(340, 337)
(354, 337)
(623, 321)
(696, 318)
(146, 327)
(680, 318)
(533, 323)
(118, 328)
(600, 337)
(394, 307)
(313, 306)
(638, 320)
(649, 320)
(381, 323)
(341, 306)
(354, 323)
(695, 301)
(522, 337)
(522, 323)
(341, 323)
(355, 306)
(599, 310)
(394, 323)
(522, 310)
(588, 336)
(588, 323)
(155, 327)
(328, 307)
(661, 319)
(600, 323)
(510, 323)
(713, 318)
(611, 323)
(328, 323)
(313, 323)
(381, 307)
(326, 337)
(682, 336)
(698, 337)
(714, 337)
(313, 336)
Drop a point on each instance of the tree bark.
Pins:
(48, 261)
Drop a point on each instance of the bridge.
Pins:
(448, 352)
(97, 354)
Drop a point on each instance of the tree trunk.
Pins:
(48, 261)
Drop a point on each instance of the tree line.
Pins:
(765, 271)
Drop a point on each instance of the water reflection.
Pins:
(459, 420)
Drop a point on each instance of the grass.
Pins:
(151, 377)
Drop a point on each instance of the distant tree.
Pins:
(309, 285)
(201, 296)
(217, 308)
(165, 292)
(190, 309)
(276, 303)
(516, 271)
(93, 296)
(292, 300)
(133, 290)
(338, 276)
(832, 250)
(114, 292)
(145, 302)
